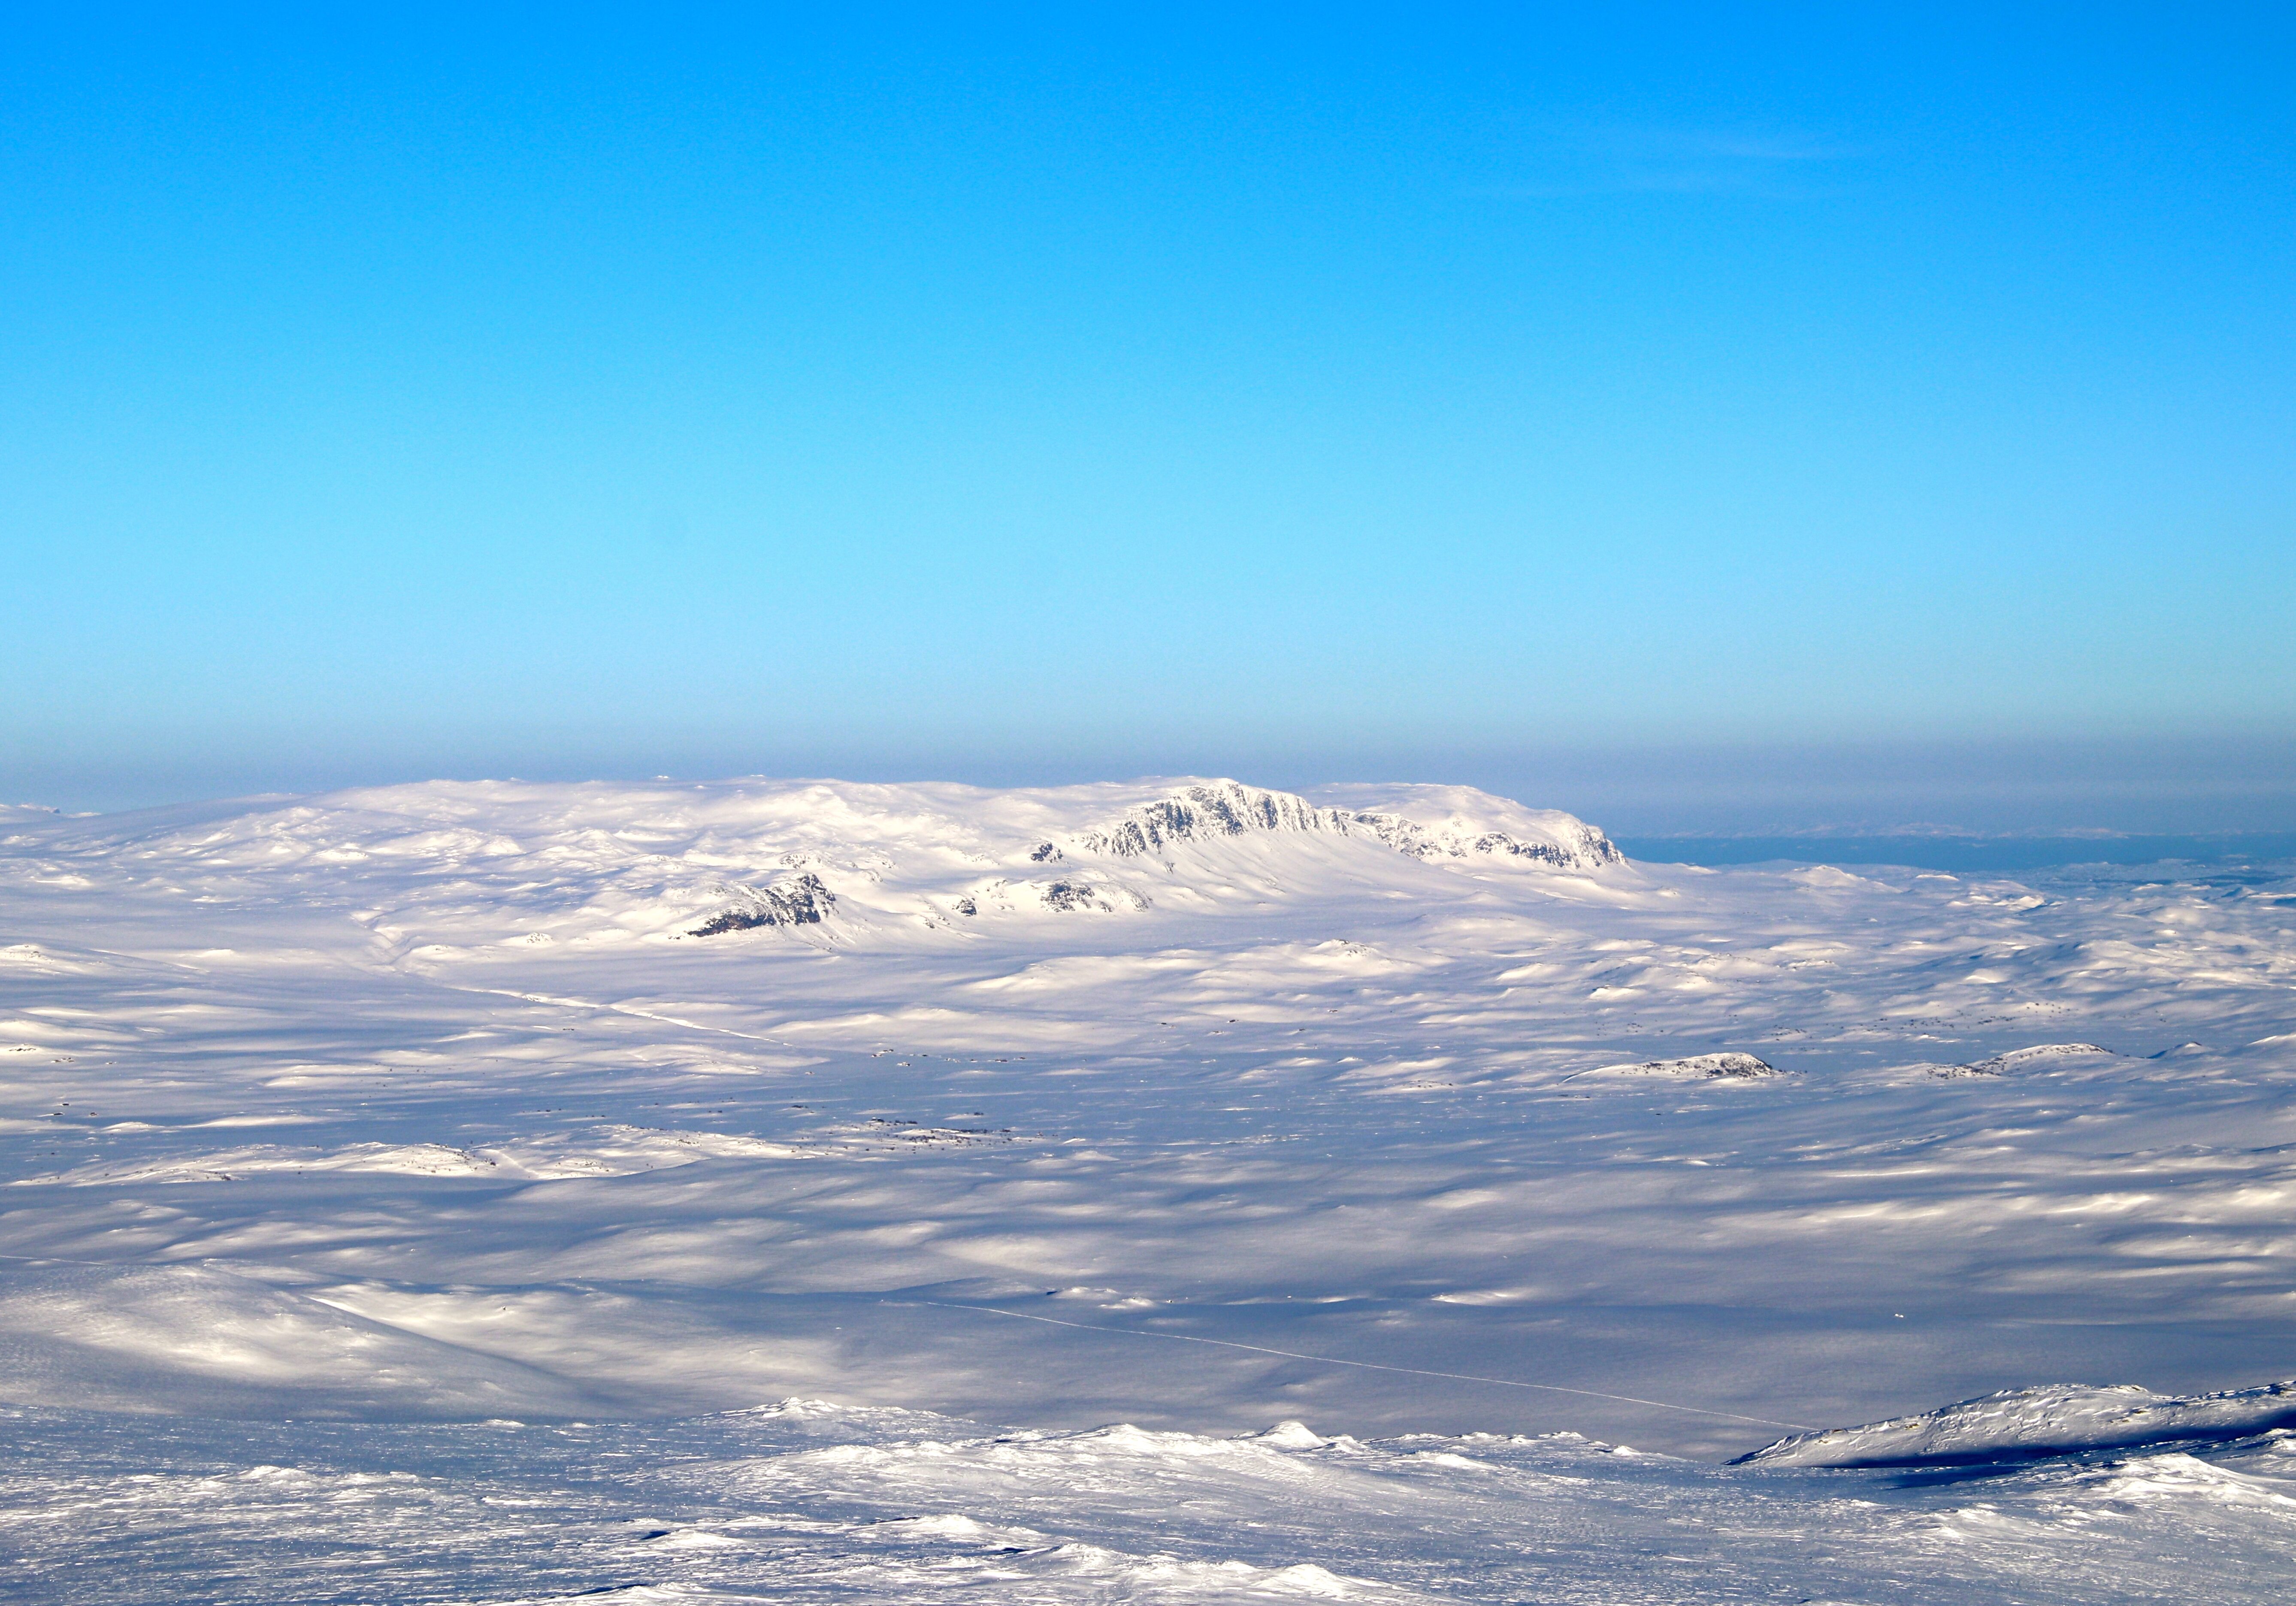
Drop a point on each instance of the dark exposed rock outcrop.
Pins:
(1226, 809)
(802, 901)
(1222, 809)
(1408, 836)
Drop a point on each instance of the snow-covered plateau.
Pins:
(809, 1190)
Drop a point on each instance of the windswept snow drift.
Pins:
(1394, 1110)
(2022, 1423)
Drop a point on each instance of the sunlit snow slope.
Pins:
(1395, 1110)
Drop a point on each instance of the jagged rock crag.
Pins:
(804, 900)
(1727, 1065)
(2021, 1060)
(1408, 836)
(1230, 809)
(1225, 810)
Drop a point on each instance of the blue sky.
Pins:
(1479, 393)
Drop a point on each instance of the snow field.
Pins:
(1393, 1110)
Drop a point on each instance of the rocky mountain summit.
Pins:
(802, 901)
(1208, 810)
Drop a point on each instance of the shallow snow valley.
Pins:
(1163, 1191)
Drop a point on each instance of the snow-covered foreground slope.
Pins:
(1399, 1110)
(806, 1501)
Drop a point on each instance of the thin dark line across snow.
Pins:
(1416, 1372)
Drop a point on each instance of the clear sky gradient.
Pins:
(1501, 394)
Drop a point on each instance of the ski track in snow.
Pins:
(332, 1128)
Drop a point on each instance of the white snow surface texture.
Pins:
(809, 1190)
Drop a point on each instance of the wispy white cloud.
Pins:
(1653, 159)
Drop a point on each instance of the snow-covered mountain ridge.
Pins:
(849, 862)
